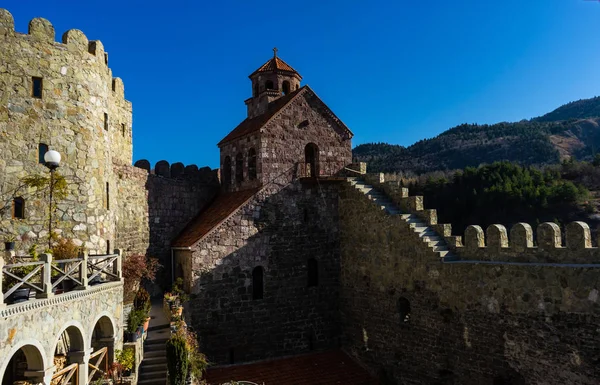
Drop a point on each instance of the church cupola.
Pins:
(271, 81)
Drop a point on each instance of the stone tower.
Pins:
(270, 81)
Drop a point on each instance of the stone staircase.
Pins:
(427, 234)
(153, 369)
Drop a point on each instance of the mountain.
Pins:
(572, 130)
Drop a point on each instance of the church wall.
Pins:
(286, 136)
(278, 230)
(241, 145)
(468, 322)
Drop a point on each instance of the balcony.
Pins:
(61, 320)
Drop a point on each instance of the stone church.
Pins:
(266, 250)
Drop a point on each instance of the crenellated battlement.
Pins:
(177, 170)
(74, 41)
(496, 243)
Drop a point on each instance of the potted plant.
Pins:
(126, 359)
(23, 292)
(142, 302)
(137, 267)
(64, 249)
(9, 242)
(134, 321)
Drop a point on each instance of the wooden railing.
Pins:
(63, 376)
(45, 275)
(94, 366)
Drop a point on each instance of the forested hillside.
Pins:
(570, 130)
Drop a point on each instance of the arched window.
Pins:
(269, 85)
(239, 167)
(255, 89)
(313, 272)
(252, 164)
(297, 85)
(404, 309)
(42, 150)
(311, 158)
(226, 175)
(286, 87)
(18, 208)
(257, 283)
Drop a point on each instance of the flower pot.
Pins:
(95, 281)
(126, 372)
(177, 311)
(67, 285)
(19, 295)
(131, 337)
(146, 324)
(9, 246)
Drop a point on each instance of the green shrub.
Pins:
(177, 359)
(135, 320)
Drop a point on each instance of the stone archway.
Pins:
(70, 349)
(25, 361)
(103, 336)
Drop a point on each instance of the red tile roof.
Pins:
(250, 125)
(324, 368)
(212, 216)
(275, 64)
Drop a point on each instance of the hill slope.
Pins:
(570, 130)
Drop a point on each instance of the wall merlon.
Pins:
(497, 238)
(474, 237)
(521, 236)
(41, 29)
(75, 40)
(578, 236)
(548, 236)
(7, 22)
(118, 88)
(96, 48)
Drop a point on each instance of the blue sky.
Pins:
(393, 71)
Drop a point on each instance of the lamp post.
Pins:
(52, 161)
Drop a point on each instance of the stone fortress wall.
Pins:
(81, 112)
(503, 313)
(174, 195)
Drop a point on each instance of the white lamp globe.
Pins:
(52, 158)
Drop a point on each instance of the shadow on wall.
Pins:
(175, 195)
(267, 280)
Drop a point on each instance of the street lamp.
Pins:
(52, 161)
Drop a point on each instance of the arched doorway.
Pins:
(69, 354)
(311, 159)
(103, 336)
(28, 359)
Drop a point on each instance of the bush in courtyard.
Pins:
(135, 268)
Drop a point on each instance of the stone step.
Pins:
(154, 360)
(440, 248)
(154, 347)
(158, 327)
(444, 253)
(144, 375)
(155, 353)
(154, 381)
(155, 341)
(153, 368)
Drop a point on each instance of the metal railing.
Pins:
(47, 277)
